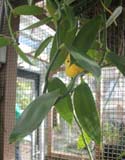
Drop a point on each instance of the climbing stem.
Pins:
(83, 138)
(49, 69)
(104, 39)
(53, 59)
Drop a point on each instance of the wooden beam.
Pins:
(7, 102)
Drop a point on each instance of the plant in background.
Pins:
(85, 41)
(111, 134)
(112, 143)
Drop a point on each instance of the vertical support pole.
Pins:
(7, 102)
(98, 104)
(49, 127)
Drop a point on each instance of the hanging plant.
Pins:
(80, 41)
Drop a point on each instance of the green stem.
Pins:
(53, 59)
(49, 69)
(105, 40)
(9, 5)
(83, 138)
(69, 90)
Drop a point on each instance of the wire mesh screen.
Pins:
(64, 140)
(29, 85)
(25, 93)
(54, 139)
(113, 115)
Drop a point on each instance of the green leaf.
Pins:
(114, 16)
(86, 112)
(61, 57)
(42, 46)
(64, 106)
(70, 36)
(87, 35)
(33, 115)
(70, 16)
(67, 30)
(95, 54)
(53, 48)
(39, 23)
(22, 55)
(80, 142)
(118, 61)
(27, 10)
(51, 7)
(86, 62)
(68, 2)
(4, 41)
(107, 2)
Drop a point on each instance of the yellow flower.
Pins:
(72, 70)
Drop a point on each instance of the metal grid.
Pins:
(62, 138)
(113, 115)
(45, 138)
(29, 86)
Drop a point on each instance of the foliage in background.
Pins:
(85, 40)
(21, 97)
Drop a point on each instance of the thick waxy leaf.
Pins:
(114, 16)
(39, 23)
(33, 115)
(86, 112)
(80, 143)
(4, 41)
(64, 106)
(70, 16)
(95, 54)
(61, 57)
(87, 35)
(70, 35)
(118, 61)
(42, 46)
(68, 2)
(86, 62)
(66, 30)
(22, 54)
(27, 10)
(51, 7)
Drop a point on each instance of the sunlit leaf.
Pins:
(95, 54)
(87, 35)
(33, 115)
(22, 54)
(68, 2)
(64, 106)
(80, 142)
(27, 10)
(51, 7)
(42, 46)
(114, 16)
(118, 61)
(86, 112)
(4, 41)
